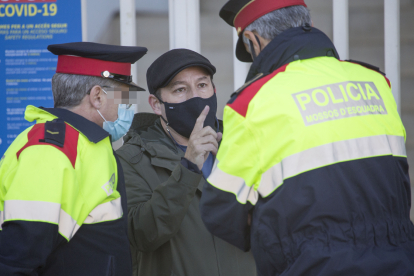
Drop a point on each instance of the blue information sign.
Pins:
(26, 66)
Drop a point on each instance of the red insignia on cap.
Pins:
(257, 8)
(90, 67)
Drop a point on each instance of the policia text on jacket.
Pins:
(339, 100)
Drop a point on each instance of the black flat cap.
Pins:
(100, 60)
(241, 13)
(168, 65)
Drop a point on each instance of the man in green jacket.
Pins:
(166, 158)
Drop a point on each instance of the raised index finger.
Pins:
(200, 120)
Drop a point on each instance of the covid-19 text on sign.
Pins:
(339, 100)
(27, 8)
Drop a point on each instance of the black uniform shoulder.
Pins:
(366, 65)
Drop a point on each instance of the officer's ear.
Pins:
(256, 46)
(257, 41)
(96, 97)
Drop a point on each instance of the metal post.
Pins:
(240, 68)
(341, 27)
(128, 33)
(84, 21)
(128, 38)
(392, 47)
(184, 23)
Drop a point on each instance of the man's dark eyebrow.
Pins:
(183, 82)
(176, 83)
(202, 78)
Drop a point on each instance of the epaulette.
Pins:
(366, 65)
(57, 134)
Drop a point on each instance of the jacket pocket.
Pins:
(110, 269)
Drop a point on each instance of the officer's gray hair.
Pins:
(274, 23)
(69, 90)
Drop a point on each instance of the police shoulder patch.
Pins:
(57, 134)
(240, 101)
(372, 67)
(366, 65)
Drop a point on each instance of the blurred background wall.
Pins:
(366, 33)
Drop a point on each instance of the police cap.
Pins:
(167, 66)
(241, 13)
(99, 60)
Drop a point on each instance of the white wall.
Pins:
(100, 12)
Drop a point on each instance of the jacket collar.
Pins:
(92, 131)
(146, 132)
(293, 44)
(148, 127)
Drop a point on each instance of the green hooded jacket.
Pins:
(166, 233)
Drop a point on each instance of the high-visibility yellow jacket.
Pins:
(315, 151)
(62, 200)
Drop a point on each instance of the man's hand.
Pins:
(202, 141)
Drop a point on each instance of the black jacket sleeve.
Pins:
(26, 245)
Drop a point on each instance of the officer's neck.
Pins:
(88, 113)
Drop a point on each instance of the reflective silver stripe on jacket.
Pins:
(329, 154)
(308, 160)
(49, 212)
(31, 211)
(67, 225)
(233, 184)
(107, 211)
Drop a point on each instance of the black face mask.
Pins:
(182, 117)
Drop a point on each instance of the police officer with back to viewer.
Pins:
(62, 191)
(166, 157)
(312, 171)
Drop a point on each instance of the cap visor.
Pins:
(241, 52)
(132, 86)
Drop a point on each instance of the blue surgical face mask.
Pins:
(121, 126)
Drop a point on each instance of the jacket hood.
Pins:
(89, 129)
(146, 131)
(291, 45)
(33, 113)
(141, 122)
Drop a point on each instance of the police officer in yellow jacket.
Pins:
(62, 193)
(312, 172)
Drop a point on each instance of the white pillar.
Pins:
(341, 27)
(84, 21)
(128, 38)
(392, 47)
(184, 23)
(128, 33)
(240, 68)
